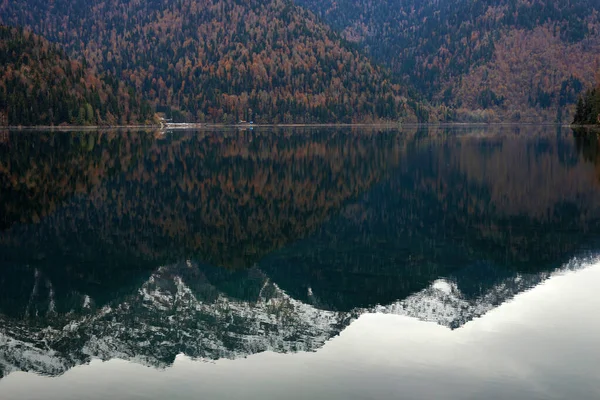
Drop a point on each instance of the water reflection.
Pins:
(588, 144)
(222, 244)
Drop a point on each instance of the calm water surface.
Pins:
(422, 263)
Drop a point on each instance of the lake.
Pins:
(300, 263)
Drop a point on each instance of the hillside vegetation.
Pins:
(588, 108)
(517, 60)
(222, 60)
(40, 85)
(343, 61)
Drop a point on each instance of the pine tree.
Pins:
(579, 111)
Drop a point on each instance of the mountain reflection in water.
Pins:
(221, 244)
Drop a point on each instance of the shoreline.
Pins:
(189, 126)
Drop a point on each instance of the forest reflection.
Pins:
(588, 144)
(109, 202)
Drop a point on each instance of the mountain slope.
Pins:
(40, 85)
(221, 60)
(515, 59)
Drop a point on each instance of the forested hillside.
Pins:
(40, 85)
(587, 111)
(221, 60)
(272, 61)
(518, 60)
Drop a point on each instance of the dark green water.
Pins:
(420, 263)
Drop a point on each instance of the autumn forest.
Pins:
(131, 62)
